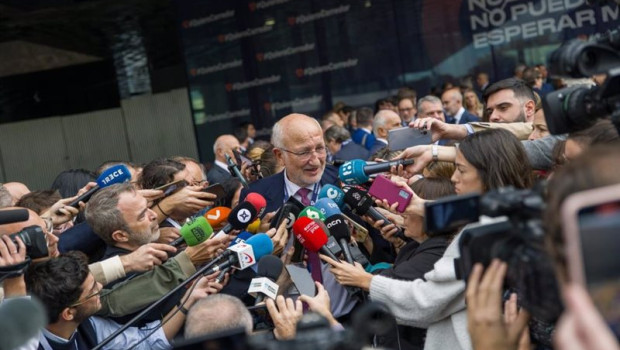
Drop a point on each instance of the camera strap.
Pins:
(14, 270)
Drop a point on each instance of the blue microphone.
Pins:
(327, 206)
(112, 175)
(241, 237)
(334, 193)
(357, 171)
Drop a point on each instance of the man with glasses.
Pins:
(406, 110)
(71, 297)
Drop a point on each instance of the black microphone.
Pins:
(361, 204)
(235, 169)
(289, 211)
(269, 269)
(339, 230)
(10, 216)
(239, 218)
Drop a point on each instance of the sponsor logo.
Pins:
(197, 22)
(253, 6)
(330, 67)
(252, 83)
(215, 68)
(301, 19)
(334, 223)
(332, 193)
(244, 216)
(113, 176)
(243, 34)
(291, 50)
(210, 118)
(268, 106)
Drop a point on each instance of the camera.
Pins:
(576, 108)
(34, 240)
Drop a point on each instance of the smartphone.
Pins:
(406, 137)
(261, 317)
(448, 213)
(216, 189)
(591, 221)
(241, 158)
(172, 187)
(384, 188)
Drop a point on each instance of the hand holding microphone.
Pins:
(348, 274)
(357, 171)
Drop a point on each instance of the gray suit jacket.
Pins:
(217, 175)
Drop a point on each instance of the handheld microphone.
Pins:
(241, 237)
(357, 171)
(244, 254)
(254, 226)
(327, 207)
(9, 216)
(361, 204)
(339, 230)
(318, 215)
(289, 211)
(312, 236)
(240, 217)
(217, 216)
(113, 175)
(334, 193)
(269, 269)
(258, 202)
(312, 213)
(194, 232)
(235, 170)
(331, 244)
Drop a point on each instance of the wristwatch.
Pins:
(435, 152)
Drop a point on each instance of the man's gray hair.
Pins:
(336, 133)
(428, 98)
(102, 213)
(217, 313)
(381, 119)
(6, 200)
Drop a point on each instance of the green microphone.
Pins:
(194, 232)
(312, 213)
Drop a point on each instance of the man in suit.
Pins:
(299, 145)
(341, 147)
(363, 134)
(406, 110)
(223, 145)
(385, 120)
(452, 100)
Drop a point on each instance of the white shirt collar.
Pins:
(56, 338)
(458, 115)
(292, 188)
(382, 140)
(222, 165)
(366, 130)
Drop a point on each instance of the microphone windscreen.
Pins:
(334, 193)
(241, 237)
(352, 172)
(254, 226)
(358, 200)
(242, 215)
(217, 216)
(114, 175)
(309, 234)
(9, 216)
(327, 207)
(261, 245)
(312, 213)
(270, 266)
(196, 231)
(20, 321)
(257, 201)
(338, 227)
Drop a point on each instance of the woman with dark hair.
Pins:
(601, 133)
(160, 172)
(69, 182)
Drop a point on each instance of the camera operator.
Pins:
(12, 254)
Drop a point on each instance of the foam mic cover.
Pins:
(239, 218)
(254, 226)
(334, 193)
(289, 211)
(357, 171)
(340, 231)
(20, 320)
(217, 216)
(261, 245)
(269, 269)
(312, 236)
(331, 244)
(10, 216)
(258, 202)
(270, 266)
(312, 213)
(361, 204)
(241, 237)
(244, 254)
(194, 232)
(327, 207)
(113, 175)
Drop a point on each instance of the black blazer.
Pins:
(217, 175)
(351, 151)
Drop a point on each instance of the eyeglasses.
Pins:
(305, 155)
(90, 295)
(406, 109)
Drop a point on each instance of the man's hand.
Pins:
(415, 206)
(347, 274)
(486, 326)
(146, 257)
(422, 156)
(10, 254)
(60, 212)
(168, 234)
(285, 316)
(320, 303)
(279, 238)
(440, 130)
(187, 201)
(207, 250)
(151, 195)
(265, 222)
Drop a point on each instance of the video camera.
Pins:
(578, 107)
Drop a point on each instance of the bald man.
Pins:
(17, 190)
(223, 145)
(33, 220)
(452, 101)
(384, 121)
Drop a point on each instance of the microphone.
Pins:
(269, 269)
(258, 202)
(327, 207)
(113, 175)
(217, 216)
(334, 193)
(312, 213)
(312, 236)
(240, 217)
(254, 226)
(357, 171)
(241, 237)
(10, 216)
(289, 211)
(244, 254)
(235, 170)
(339, 230)
(361, 204)
(194, 232)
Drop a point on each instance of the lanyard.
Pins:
(315, 193)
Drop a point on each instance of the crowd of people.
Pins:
(110, 257)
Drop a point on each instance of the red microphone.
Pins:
(258, 202)
(312, 236)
